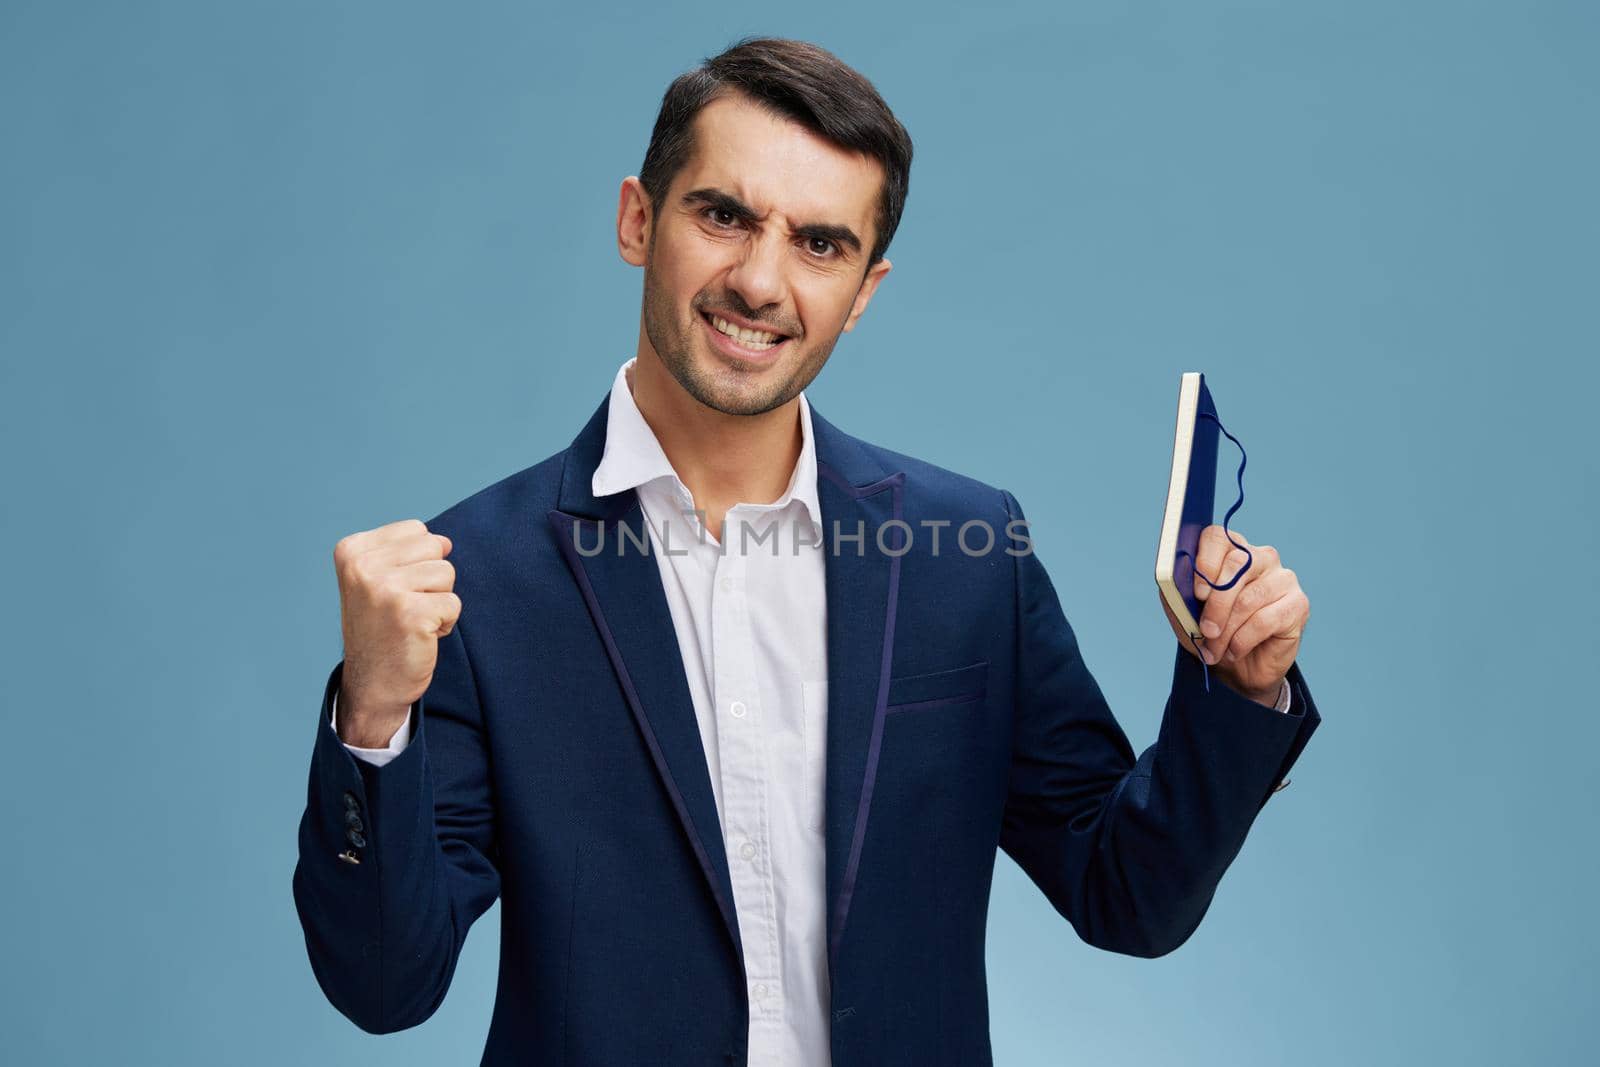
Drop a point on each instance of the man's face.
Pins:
(766, 228)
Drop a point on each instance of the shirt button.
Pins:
(747, 850)
(737, 709)
(727, 585)
(760, 990)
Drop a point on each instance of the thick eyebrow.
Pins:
(838, 233)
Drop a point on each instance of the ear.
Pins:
(633, 221)
(869, 285)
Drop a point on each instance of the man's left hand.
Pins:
(1251, 631)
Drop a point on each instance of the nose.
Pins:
(757, 275)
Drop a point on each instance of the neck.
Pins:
(723, 459)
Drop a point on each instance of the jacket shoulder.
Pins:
(929, 485)
(512, 503)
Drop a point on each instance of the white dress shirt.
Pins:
(751, 623)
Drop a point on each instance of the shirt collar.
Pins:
(633, 456)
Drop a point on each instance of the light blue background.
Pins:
(270, 274)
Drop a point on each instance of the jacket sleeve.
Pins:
(396, 862)
(1130, 851)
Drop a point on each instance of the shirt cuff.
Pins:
(375, 756)
(1282, 704)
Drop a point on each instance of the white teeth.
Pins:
(753, 338)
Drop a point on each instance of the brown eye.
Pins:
(827, 246)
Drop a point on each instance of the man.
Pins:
(708, 701)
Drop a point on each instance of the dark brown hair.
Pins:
(803, 83)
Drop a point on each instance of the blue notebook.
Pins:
(1191, 498)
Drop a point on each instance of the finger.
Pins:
(1213, 547)
(406, 552)
(359, 544)
(1219, 605)
(390, 532)
(429, 576)
(1270, 586)
(1277, 619)
(437, 613)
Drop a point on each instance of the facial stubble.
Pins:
(725, 389)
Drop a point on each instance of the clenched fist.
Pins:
(395, 603)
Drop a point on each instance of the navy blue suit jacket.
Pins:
(556, 764)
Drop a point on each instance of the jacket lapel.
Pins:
(623, 592)
(857, 496)
(624, 595)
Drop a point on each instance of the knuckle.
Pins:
(358, 574)
(347, 549)
(1244, 638)
(1268, 554)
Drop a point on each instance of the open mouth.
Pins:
(740, 340)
